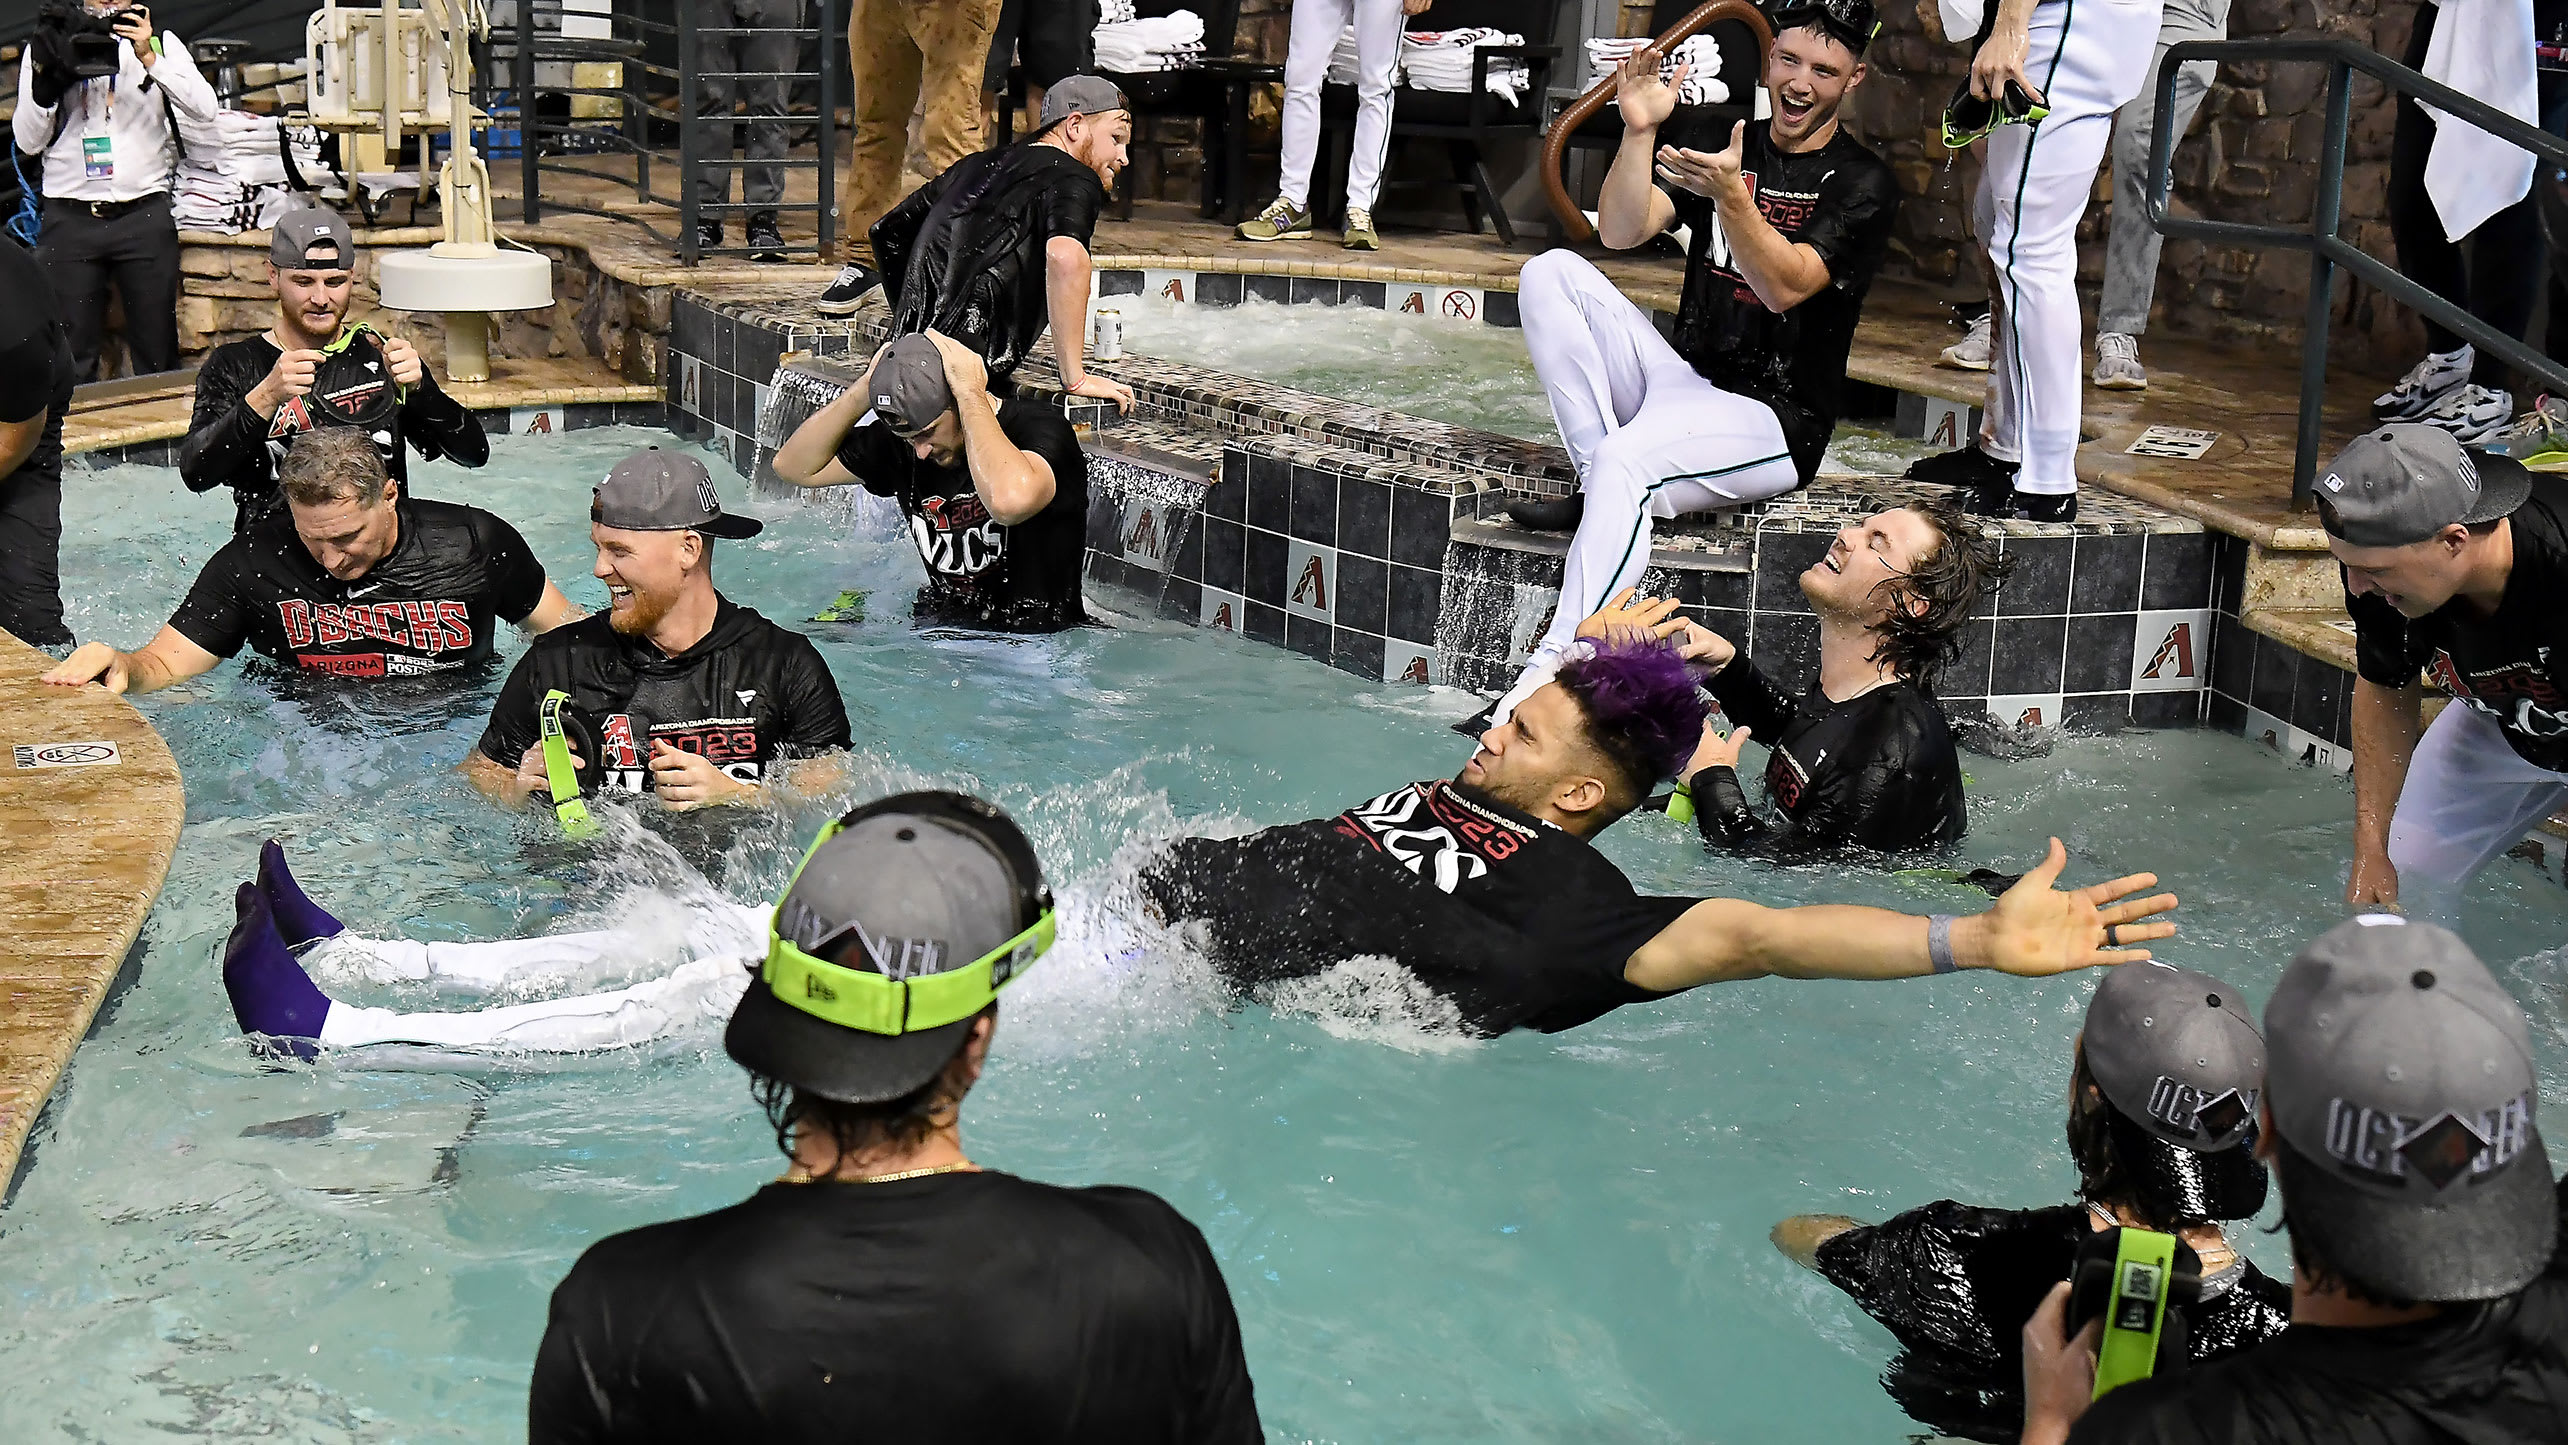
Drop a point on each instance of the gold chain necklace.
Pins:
(796, 1176)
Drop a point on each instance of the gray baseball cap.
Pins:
(2405, 482)
(915, 886)
(909, 387)
(657, 491)
(2179, 1059)
(2402, 1088)
(299, 234)
(1081, 95)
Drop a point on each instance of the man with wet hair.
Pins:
(2456, 566)
(351, 578)
(2163, 1087)
(315, 368)
(2429, 1292)
(888, 1287)
(1488, 889)
(1863, 757)
(997, 247)
(1789, 223)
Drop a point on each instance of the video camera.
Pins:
(69, 37)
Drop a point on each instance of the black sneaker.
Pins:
(1968, 467)
(848, 292)
(2046, 506)
(708, 235)
(1561, 515)
(766, 243)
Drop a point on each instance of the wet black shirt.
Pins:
(1840, 200)
(959, 1307)
(229, 445)
(2492, 1372)
(1518, 923)
(431, 606)
(748, 693)
(2511, 665)
(1875, 771)
(981, 573)
(35, 362)
(964, 254)
(1955, 1283)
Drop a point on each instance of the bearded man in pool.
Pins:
(1486, 887)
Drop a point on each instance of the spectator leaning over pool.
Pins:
(675, 690)
(315, 368)
(35, 395)
(996, 491)
(996, 248)
(2429, 1294)
(352, 577)
(2456, 565)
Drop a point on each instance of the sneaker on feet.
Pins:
(1360, 235)
(848, 292)
(2117, 362)
(1559, 515)
(2474, 414)
(2423, 388)
(708, 235)
(1964, 467)
(766, 243)
(1280, 221)
(2540, 439)
(1971, 352)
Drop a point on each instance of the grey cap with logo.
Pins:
(1081, 95)
(657, 491)
(314, 237)
(907, 386)
(2179, 1059)
(2403, 483)
(2401, 1083)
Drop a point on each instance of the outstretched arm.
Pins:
(2034, 930)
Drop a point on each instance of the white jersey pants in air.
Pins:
(1317, 24)
(2469, 797)
(1649, 436)
(2086, 58)
(724, 942)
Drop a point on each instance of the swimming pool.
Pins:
(1536, 1238)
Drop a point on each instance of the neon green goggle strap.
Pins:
(559, 774)
(860, 999)
(347, 337)
(2134, 1313)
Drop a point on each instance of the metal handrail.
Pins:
(1573, 220)
(2327, 250)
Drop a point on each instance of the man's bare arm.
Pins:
(1800, 1236)
(168, 658)
(809, 458)
(2385, 734)
(18, 441)
(552, 610)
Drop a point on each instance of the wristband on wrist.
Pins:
(1939, 943)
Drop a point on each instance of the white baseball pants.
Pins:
(2087, 57)
(725, 942)
(1317, 24)
(1650, 437)
(2469, 797)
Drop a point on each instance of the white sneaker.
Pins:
(2423, 388)
(2117, 362)
(1971, 352)
(2473, 414)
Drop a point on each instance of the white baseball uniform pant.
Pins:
(1317, 24)
(2086, 58)
(2469, 797)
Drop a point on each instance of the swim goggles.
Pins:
(876, 1003)
(561, 775)
(1851, 21)
(1967, 117)
(348, 335)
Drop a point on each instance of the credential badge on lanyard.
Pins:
(98, 152)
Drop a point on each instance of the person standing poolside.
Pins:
(676, 690)
(315, 368)
(2162, 1114)
(2132, 245)
(2455, 564)
(996, 492)
(1789, 224)
(1316, 27)
(887, 1287)
(351, 578)
(35, 395)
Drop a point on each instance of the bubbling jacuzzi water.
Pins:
(1429, 1238)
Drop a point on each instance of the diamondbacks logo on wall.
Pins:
(956, 536)
(1311, 589)
(2175, 654)
(1429, 830)
(1174, 289)
(1416, 671)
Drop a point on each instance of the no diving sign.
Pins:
(66, 755)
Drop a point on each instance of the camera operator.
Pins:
(96, 95)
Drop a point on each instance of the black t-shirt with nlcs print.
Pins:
(748, 693)
(981, 572)
(1840, 200)
(2511, 665)
(1876, 771)
(965, 1308)
(430, 606)
(964, 254)
(1517, 922)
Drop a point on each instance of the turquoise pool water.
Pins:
(1429, 1239)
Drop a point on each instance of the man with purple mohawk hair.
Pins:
(1487, 888)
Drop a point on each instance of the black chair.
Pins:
(1214, 93)
(1465, 123)
(1693, 127)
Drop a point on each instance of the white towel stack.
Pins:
(1114, 12)
(1168, 42)
(230, 177)
(1441, 60)
(1700, 52)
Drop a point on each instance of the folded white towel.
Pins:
(1164, 42)
(1440, 60)
(1114, 12)
(1700, 52)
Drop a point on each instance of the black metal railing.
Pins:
(2328, 250)
(658, 87)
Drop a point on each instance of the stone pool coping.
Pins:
(89, 847)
